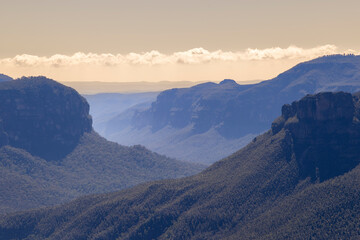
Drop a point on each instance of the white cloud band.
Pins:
(192, 56)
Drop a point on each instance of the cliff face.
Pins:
(42, 116)
(322, 133)
(203, 106)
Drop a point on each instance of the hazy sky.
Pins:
(155, 40)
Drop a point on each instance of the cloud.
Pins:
(192, 56)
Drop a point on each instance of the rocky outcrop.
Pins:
(42, 116)
(228, 82)
(324, 134)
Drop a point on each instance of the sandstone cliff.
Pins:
(322, 134)
(42, 116)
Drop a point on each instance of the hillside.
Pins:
(299, 180)
(209, 121)
(49, 152)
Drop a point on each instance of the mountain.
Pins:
(104, 107)
(42, 117)
(4, 78)
(50, 154)
(209, 121)
(299, 180)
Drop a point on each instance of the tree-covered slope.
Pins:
(50, 154)
(299, 180)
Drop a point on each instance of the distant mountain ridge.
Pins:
(299, 180)
(50, 154)
(107, 106)
(230, 106)
(188, 118)
(4, 78)
(126, 87)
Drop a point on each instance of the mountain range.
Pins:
(209, 121)
(298, 180)
(49, 152)
(96, 87)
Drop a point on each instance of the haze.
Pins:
(131, 41)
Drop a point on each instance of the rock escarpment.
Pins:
(323, 134)
(42, 116)
(203, 107)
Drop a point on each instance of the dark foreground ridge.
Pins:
(49, 153)
(297, 181)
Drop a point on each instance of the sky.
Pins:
(167, 40)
